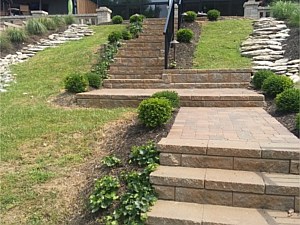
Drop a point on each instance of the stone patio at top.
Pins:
(253, 125)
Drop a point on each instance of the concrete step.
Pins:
(135, 76)
(246, 139)
(207, 76)
(139, 53)
(135, 70)
(136, 61)
(227, 187)
(133, 83)
(188, 97)
(179, 213)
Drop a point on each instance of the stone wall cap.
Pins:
(103, 9)
(39, 12)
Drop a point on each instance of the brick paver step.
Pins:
(189, 97)
(139, 53)
(209, 85)
(140, 45)
(134, 76)
(227, 187)
(135, 70)
(179, 213)
(135, 61)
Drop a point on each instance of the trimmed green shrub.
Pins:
(288, 100)
(16, 35)
(144, 155)
(276, 84)
(49, 23)
(117, 19)
(185, 35)
(172, 96)
(190, 16)
(282, 10)
(126, 35)
(260, 76)
(213, 14)
(94, 80)
(114, 36)
(105, 192)
(298, 122)
(69, 19)
(5, 43)
(154, 112)
(136, 18)
(59, 21)
(76, 83)
(35, 27)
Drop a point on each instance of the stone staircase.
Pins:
(227, 166)
(138, 72)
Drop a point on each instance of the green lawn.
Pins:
(219, 44)
(39, 141)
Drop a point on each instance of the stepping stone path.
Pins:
(225, 160)
(265, 47)
(73, 33)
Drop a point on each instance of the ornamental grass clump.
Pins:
(154, 112)
(49, 23)
(5, 43)
(288, 101)
(35, 27)
(276, 84)
(16, 35)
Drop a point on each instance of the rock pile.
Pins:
(73, 33)
(265, 47)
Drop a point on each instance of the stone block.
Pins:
(230, 180)
(274, 202)
(262, 165)
(202, 161)
(165, 192)
(295, 167)
(168, 159)
(203, 196)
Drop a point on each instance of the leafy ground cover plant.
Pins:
(111, 161)
(144, 155)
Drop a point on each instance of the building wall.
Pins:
(86, 7)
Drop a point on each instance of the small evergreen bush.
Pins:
(275, 84)
(49, 23)
(16, 35)
(94, 80)
(136, 18)
(260, 76)
(59, 21)
(288, 100)
(114, 37)
(126, 35)
(298, 122)
(154, 112)
(5, 43)
(185, 35)
(172, 96)
(213, 14)
(69, 19)
(190, 16)
(35, 27)
(76, 83)
(117, 19)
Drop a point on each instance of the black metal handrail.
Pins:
(180, 12)
(169, 31)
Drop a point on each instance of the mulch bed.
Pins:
(118, 140)
(291, 47)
